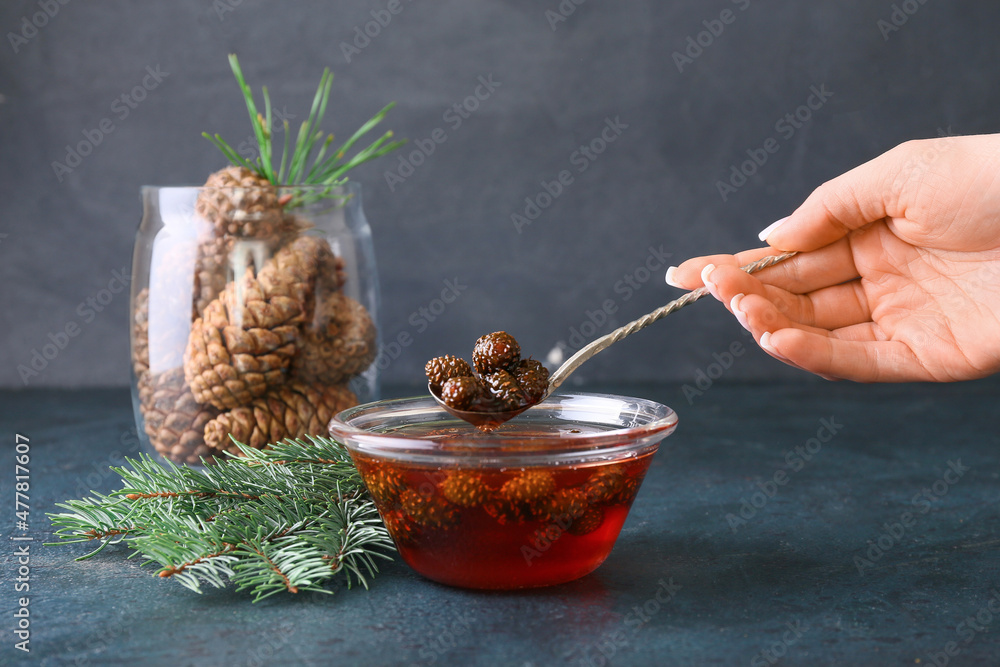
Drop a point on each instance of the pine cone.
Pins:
(465, 489)
(246, 338)
(140, 345)
(338, 344)
(564, 505)
(211, 271)
(243, 344)
(441, 369)
(384, 483)
(174, 421)
(505, 389)
(240, 202)
(589, 521)
(528, 487)
(289, 411)
(605, 483)
(305, 269)
(461, 392)
(494, 352)
(428, 511)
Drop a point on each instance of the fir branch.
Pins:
(288, 518)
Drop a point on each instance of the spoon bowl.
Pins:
(484, 421)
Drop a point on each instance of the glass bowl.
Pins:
(539, 501)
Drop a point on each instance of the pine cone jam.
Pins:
(537, 502)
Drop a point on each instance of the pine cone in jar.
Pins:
(245, 340)
(239, 202)
(292, 410)
(221, 257)
(338, 343)
(242, 344)
(140, 345)
(174, 421)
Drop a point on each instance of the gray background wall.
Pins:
(655, 187)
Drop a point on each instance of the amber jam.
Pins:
(482, 526)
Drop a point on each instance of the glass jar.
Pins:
(253, 316)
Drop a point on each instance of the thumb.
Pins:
(863, 195)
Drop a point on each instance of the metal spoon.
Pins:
(488, 421)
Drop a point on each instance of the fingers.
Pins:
(688, 274)
(831, 265)
(858, 352)
(829, 308)
(863, 195)
(857, 360)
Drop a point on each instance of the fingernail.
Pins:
(734, 306)
(705, 274)
(671, 271)
(770, 228)
(765, 344)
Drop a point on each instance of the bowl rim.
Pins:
(500, 446)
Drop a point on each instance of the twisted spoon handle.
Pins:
(595, 346)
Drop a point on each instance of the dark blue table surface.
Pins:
(793, 524)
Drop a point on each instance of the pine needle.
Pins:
(289, 518)
(325, 171)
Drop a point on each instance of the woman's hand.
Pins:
(899, 273)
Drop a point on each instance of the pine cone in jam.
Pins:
(441, 369)
(505, 382)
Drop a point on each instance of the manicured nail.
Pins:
(765, 344)
(770, 228)
(671, 272)
(705, 275)
(734, 306)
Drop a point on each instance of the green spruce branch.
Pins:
(288, 518)
(311, 144)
